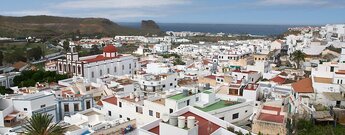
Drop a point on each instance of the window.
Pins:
(76, 107)
(158, 115)
(25, 109)
(108, 70)
(332, 69)
(79, 70)
(197, 99)
(88, 104)
(109, 113)
(235, 116)
(115, 69)
(128, 119)
(222, 118)
(120, 116)
(164, 86)
(130, 66)
(246, 111)
(100, 73)
(171, 110)
(188, 102)
(92, 74)
(66, 107)
(150, 112)
(120, 104)
(44, 105)
(171, 84)
(123, 67)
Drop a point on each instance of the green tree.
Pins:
(41, 124)
(35, 53)
(1, 57)
(94, 50)
(65, 45)
(4, 91)
(297, 56)
(78, 48)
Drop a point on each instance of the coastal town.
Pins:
(181, 84)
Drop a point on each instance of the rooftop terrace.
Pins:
(217, 105)
(178, 96)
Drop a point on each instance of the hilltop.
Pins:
(52, 26)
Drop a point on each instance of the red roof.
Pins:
(109, 49)
(205, 62)
(111, 100)
(211, 76)
(205, 127)
(100, 58)
(278, 79)
(155, 130)
(303, 86)
(100, 103)
(271, 117)
(277, 109)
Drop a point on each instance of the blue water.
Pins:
(225, 28)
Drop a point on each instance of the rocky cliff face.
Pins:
(149, 25)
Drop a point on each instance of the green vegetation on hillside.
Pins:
(305, 127)
(53, 26)
(23, 51)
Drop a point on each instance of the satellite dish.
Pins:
(165, 117)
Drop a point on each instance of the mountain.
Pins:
(52, 26)
(149, 25)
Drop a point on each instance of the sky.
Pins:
(304, 12)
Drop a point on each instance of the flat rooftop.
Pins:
(271, 118)
(92, 113)
(178, 96)
(217, 105)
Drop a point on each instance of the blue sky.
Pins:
(187, 11)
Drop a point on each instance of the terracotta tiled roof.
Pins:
(111, 100)
(18, 65)
(205, 62)
(340, 72)
(205, 126)
(100, 58)
(278, 79)
(303, 86)
(210, 77)
(100, 103)
(109, 49)
(271, 117)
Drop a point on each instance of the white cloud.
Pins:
(294, 2)
(118, 4)
(28, 12)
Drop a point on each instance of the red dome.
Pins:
(109, 49)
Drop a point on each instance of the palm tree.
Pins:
(297, 56)
(41, 124)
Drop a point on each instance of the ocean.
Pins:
(254, 29)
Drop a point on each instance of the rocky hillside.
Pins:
(51, 26)
(149, 24)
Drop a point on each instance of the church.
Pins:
(95, 66)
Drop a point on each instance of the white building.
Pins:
(93, 67)
(6, 79)
(190, 121)
(15, 108)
